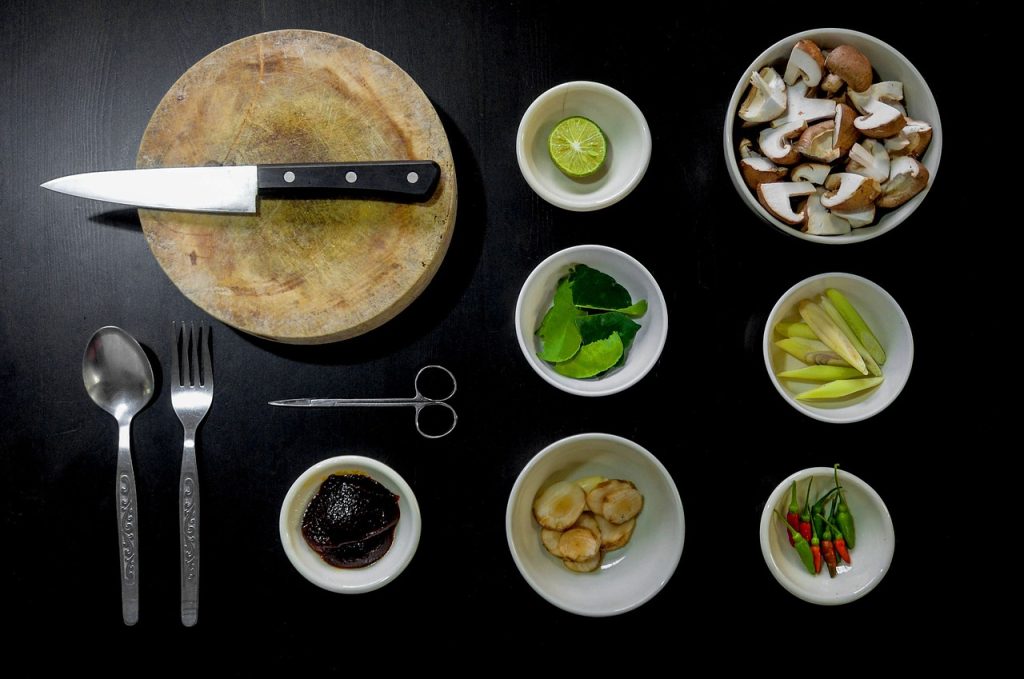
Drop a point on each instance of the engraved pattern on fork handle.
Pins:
(188, 504)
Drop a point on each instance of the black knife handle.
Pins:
(409, 179)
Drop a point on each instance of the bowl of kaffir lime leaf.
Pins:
(591, 320)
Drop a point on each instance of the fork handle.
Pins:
(188, 514)
(126, 504)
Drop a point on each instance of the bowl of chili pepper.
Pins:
(826, 536)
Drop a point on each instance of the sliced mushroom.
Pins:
(806, 62)
(845, 133)
(747, 150)
(816, 142)
(801, 106)
(907, 178)
(911, 141)
(818, 221)
(880, 120)
(775, 142)
(888, 92)
(760, 170)
(869, 159)
(858, 218)
(849, 192)
(850, 64)
(776, 199)
(832, 83)
(766, 99)
(814, 173)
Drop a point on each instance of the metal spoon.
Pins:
(119, 378)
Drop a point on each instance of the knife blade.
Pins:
(234, 188)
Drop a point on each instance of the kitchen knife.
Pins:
(234, 188)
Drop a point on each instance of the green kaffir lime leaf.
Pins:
(593, 359)
(560, 337)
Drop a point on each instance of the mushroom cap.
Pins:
(759, 170)
(869, 159)
(775, 198)
(849, 192)
(815, 173)
(845, 134)
(819, 221)
(880, 120)
(850, 64)
(775, 142)
(907, 178)
(816, 142)
(805, 61)
(766, 99)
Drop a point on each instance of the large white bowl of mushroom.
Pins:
(832, 136)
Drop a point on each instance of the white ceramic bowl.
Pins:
(624, 126)
(535, 299)
(886, 320)
(349, 580)
(871, 557)
(889, 64)
(628, 577)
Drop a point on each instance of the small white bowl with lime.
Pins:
(583, 146)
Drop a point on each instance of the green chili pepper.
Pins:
(818, 510)
(802, 548)
(844, 517)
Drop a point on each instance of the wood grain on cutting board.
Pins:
(300, 271)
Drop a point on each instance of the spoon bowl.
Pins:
(119, 378)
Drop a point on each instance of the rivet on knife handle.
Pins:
(414, 179)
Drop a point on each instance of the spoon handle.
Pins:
(188, 506)
(127, 527)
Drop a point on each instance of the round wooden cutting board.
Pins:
(300, 271)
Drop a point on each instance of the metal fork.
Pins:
(191, 395)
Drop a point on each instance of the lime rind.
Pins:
(577, 146)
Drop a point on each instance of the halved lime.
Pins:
(578, 147)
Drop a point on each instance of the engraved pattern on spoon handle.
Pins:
(127, 527)
(188, 506)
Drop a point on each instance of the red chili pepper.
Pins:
(816, 552)
(840, 543)
(828, 550)
(793, 515)
(805, 514)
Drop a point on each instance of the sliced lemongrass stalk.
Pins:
(840, 388)
(829, 333)
(838, 319)
(857, 324)
(811, 352)
(821, 373)
(795, 330)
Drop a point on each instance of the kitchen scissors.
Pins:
(419, 401)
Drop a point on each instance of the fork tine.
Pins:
(193, 349)
(175, 350)
(207, 365)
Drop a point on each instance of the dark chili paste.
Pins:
(351, 520)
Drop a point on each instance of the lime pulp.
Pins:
(577, 146)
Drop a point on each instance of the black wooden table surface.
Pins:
(79, 84)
